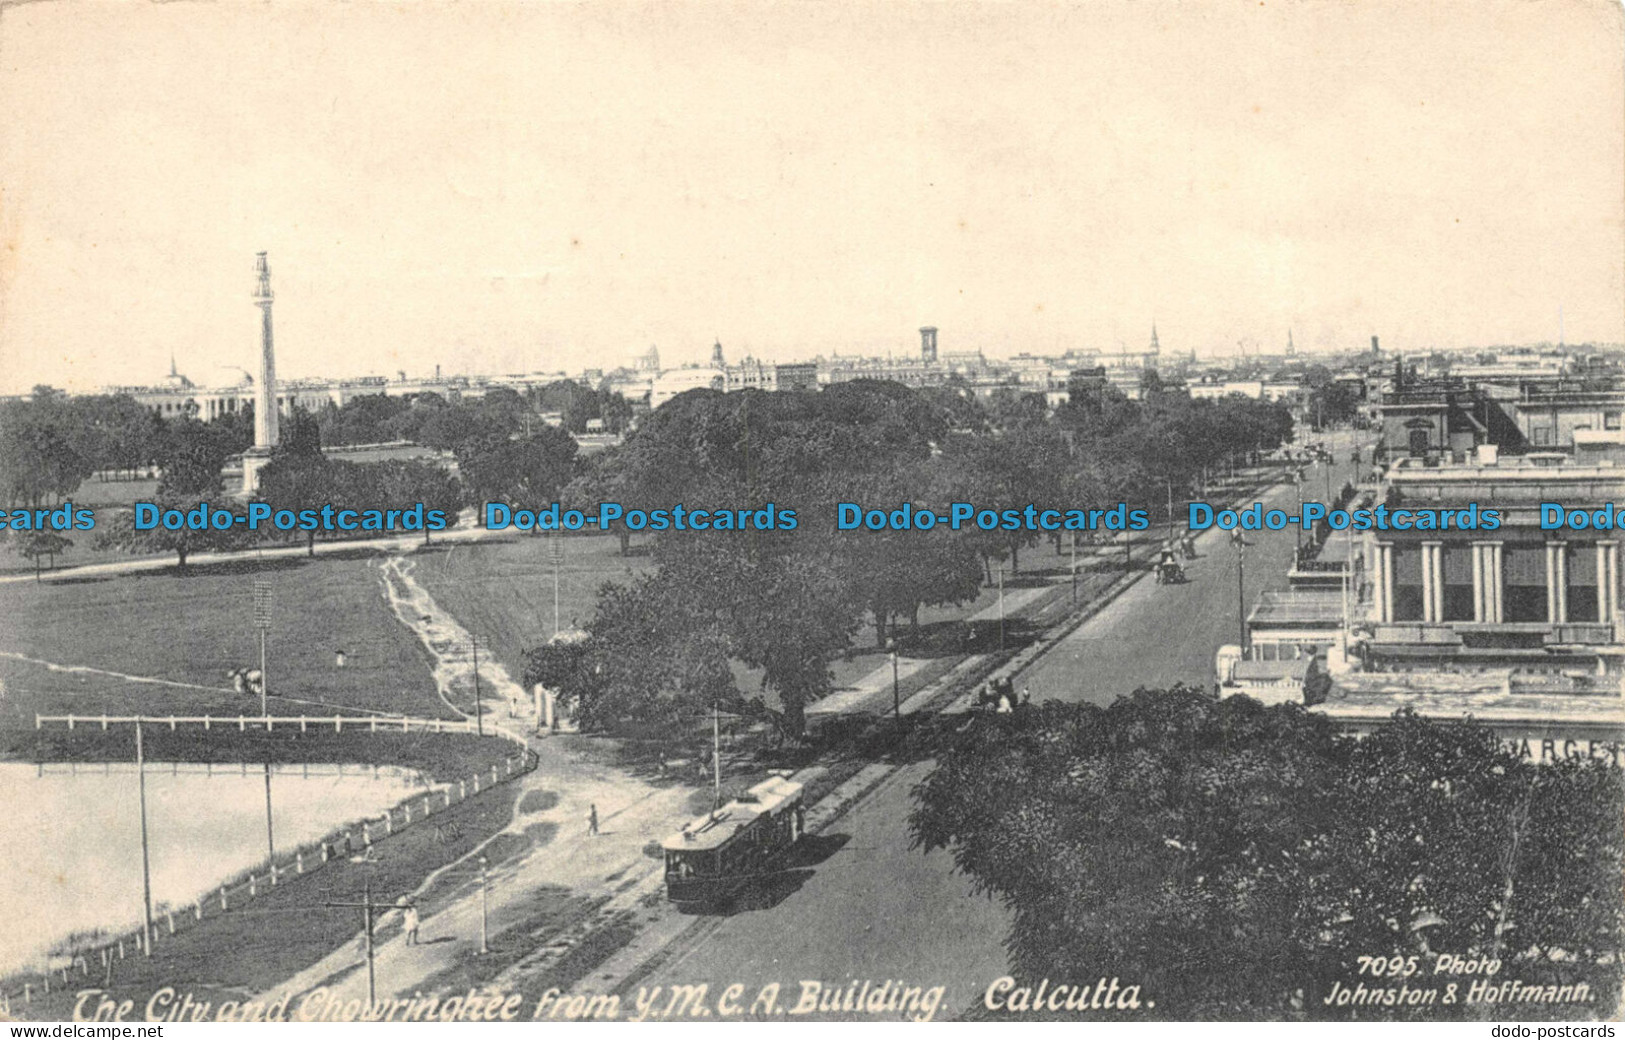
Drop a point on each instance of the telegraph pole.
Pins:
(485, 893)
(1241, 598)
(1074, 535)
(896, 697)
(556, 550)
(479, 712)
(367, 907)
(716, 756)
(146, 858)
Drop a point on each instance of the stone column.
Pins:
(1432, 582)
(1557, 603)
(1385, 582)
(1496, 583)
(1480, 583)
(1607, 581)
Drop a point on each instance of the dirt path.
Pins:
(546, 855)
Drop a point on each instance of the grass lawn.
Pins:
(192, 630)
(502, 589)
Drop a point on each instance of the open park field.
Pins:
(161, 643)
(501, 589)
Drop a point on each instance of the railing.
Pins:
(95, 958)
(304, 723)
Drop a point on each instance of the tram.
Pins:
(719, 853)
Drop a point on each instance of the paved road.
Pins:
(878, 910)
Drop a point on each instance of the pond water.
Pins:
(72, 836)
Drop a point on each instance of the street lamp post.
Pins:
(1241, 599)
(479, 711)
(896, 694)
(485, 889)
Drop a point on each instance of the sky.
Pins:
(497, 187)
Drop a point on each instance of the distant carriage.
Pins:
(718, 854)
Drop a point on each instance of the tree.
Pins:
(42, 457)
(531, 470)
(34, 544)
(296, 482)
(1234, 859)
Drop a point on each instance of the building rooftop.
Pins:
(1298, 606)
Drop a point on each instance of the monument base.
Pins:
(254, 460)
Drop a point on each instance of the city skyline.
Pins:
(565, 187)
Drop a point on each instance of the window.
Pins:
(1419, 442)
(1610, 420)
(1523, 570)
(1457, 567)
(1580, 568)
(1541, 436)
(1407, 583)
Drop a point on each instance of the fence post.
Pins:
(242, 727)
(172, 724)
(169, 915)
(302, 724)
(338, 724)
(427, 809)
(299, 861)
(462, 790)
(253, 889)
(366, 834)
(389, 823)
(121, 949)
(476, 783)
(207, 719)
(493, 776)
(375, 724)
(104, 722)
(197, 909)
(327, 851)
(223, 904)
(273, 873)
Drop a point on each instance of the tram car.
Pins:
(721, 852)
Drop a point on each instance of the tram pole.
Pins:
(716, 756)
(485, 906)
(146, 858)
(270, 836)
(1241, 598)
(479, 712)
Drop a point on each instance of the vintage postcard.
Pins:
(659, 512)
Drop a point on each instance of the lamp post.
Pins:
(896, 696)
(479, 711)
(1241, 598)
(485, 889)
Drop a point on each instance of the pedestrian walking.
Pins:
(592, 821)
(411, 924)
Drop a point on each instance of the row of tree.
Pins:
(787, 602)
(1237, 861)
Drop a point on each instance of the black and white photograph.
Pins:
(878, 511)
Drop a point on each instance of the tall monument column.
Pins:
(265, 405)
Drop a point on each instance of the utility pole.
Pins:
(1001, 604)
(146, 858)
(262, 621)
(485, 906)
(1074, 535)
(270, 836)
(1170, 481)
(896, 698)
(716, 756)
(367, 907)
(479, 712)
(557, 552)
(1241, 598)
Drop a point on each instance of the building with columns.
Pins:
(1518, 627)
